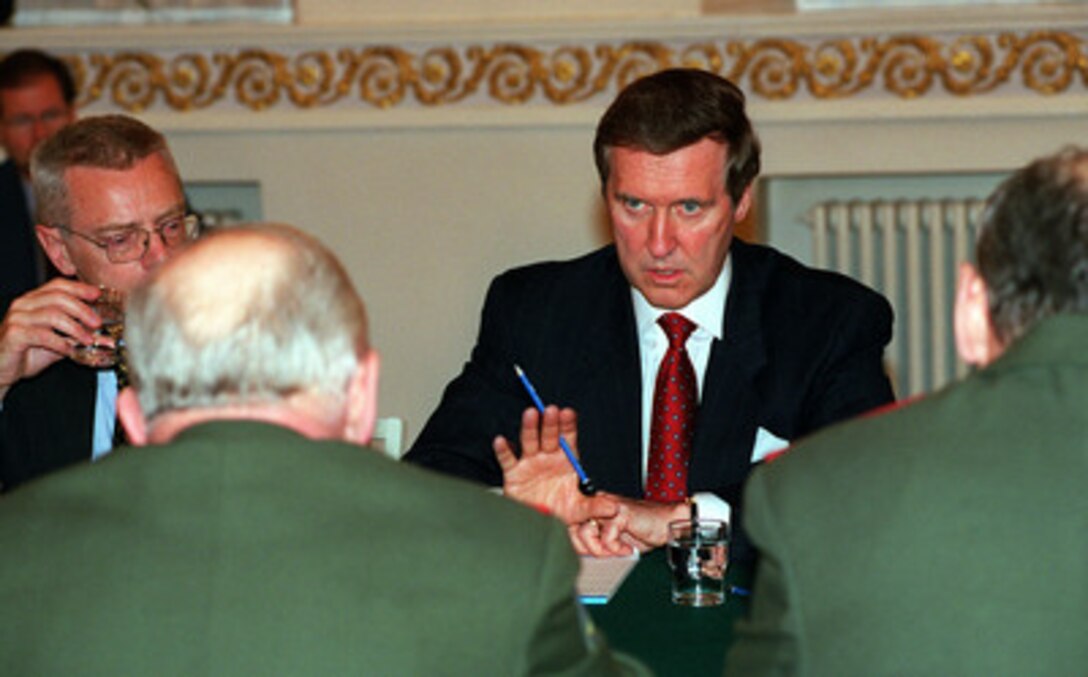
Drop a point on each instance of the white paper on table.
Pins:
(600, 577)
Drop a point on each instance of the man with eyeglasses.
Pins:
(37, 98)
(110, 209)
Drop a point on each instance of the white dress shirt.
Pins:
(707, 312)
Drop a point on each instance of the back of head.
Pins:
(248, 316)
(675, 108)
(1033, 244)
(106, 142)
(23, 66)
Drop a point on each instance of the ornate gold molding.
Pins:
(1044, 63)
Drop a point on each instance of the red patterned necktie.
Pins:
(673, 421)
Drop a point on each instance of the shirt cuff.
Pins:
(711, 506)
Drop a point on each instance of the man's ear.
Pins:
(132, 417)
(976, 341)
(740, 212)
(55, 248)
(362, 405)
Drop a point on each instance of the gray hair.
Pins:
(262, 325)
(105, 141)
(1033, 244)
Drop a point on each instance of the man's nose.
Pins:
(157, 251)
(660, 240)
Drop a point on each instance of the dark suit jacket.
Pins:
(245, 549)
(47, 422)
(801, 349)
(18, 246)
(945, 538)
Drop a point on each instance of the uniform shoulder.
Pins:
(458, 504)
(840, 447)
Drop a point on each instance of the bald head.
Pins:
(252, 316)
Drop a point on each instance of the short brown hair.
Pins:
(675, 108)
(105, 141)
(20, 67)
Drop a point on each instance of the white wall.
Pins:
(422, 219)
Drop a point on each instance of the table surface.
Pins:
(641, 620)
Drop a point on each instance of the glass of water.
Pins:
(110, 308)
(698, 552)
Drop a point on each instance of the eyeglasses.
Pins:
(130, 244)
(46, 117)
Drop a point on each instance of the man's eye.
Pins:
(172, 227)
(119, 239)
(633, 203)
(690, 207)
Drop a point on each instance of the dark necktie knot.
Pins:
(677, 328)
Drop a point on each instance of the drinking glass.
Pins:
(110, 308)
(698, 552)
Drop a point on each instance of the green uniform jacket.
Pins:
(946, 538)
(246, 549)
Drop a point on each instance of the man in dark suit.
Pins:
(778, 350)
(111, 209)
(955, 540)
(37, 98)
(252, 535)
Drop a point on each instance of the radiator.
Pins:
(910, 251)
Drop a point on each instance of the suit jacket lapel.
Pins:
(729, 410)
(51, 421)
(19, 252)
(79, 402)
(612, 377)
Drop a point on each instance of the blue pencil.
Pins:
(585, 485)
(739, 591)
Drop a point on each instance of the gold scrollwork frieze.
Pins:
(906, 66)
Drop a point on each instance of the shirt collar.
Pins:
(706, 311)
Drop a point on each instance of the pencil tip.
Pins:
(518, 370)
